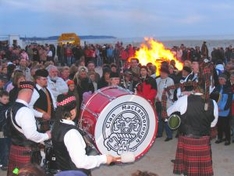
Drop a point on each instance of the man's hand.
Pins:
(112, 159)
(49, 134)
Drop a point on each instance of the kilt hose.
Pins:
(18, 157)
(193, 156)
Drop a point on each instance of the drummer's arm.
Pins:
(76, 148)
(179, 106)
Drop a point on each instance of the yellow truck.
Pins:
(71, 38)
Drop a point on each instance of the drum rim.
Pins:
(102, 89)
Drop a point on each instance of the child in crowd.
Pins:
(71, 86)
(72, 89)
(4, 140)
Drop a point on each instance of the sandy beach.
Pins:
(158, 160)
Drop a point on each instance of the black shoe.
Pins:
(4, 168)
(227, 143)
(158, 136)
(218, 141)
(167, 139)
(173, 161)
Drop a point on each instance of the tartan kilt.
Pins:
(18, 157)
(193, 156)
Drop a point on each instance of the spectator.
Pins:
(162, 82)
(4, 138)
(224, 105)
(24, 68)
(83, 83)
(18, 77)
(105, 79)
(56, 84)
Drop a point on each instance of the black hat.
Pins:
(114, 75)
(187, 69)
(164, 70)
(26, 85)
(41, 73)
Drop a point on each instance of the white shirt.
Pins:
(35, 97)
(25, 119)
(49, 54)
(75, 144)
(181, 106)
(161, 84)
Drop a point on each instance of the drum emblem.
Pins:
(125, 127)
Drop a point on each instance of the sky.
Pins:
(119, 18)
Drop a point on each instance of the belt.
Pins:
(193, 136)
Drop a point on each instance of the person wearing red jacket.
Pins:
(147, 86)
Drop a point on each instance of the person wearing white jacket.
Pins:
(56, 84)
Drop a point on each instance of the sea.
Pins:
(214, 41)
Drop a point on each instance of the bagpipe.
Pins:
(204, 80)
(174, 121)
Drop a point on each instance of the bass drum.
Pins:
(119, 121)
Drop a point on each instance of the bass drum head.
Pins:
(127, 124)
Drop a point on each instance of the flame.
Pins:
(155, 52)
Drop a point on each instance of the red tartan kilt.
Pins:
(193, 157)
(18, 157)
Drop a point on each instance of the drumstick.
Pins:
(127, 157)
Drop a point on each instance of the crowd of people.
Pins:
(42, 86)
